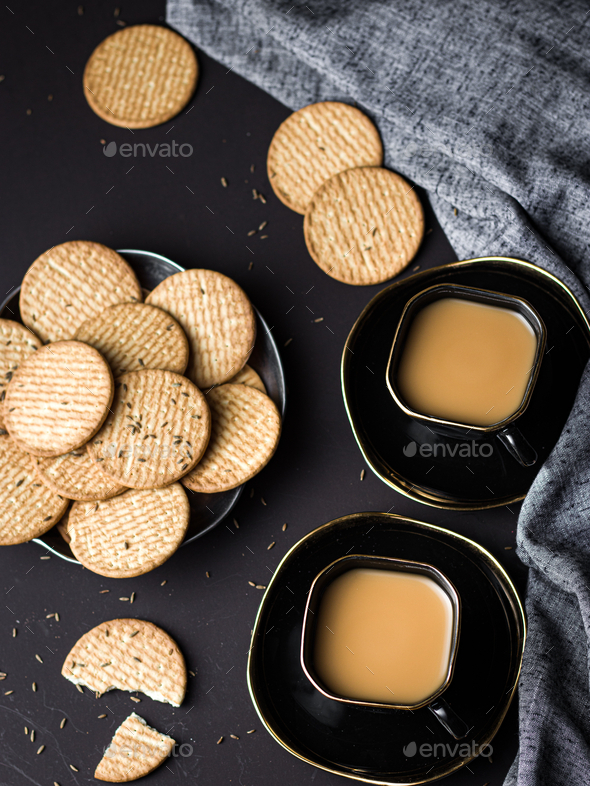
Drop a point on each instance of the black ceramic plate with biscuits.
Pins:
(371, 744)
(462, 473)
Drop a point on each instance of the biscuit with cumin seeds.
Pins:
(131, 534)
(72, 282)
(140, 77)
(364, 226)
(132, 336)
(315, 143)
(247, 376)
(135, 751)
(28, 509)
(128, 654)
(17, 342)
(216, 316)
(58, 398)
(245, 432)
(157, 430)
(75, 476)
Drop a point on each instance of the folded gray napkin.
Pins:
(486, 105)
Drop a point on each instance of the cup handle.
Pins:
(518, 446)
(448, 718)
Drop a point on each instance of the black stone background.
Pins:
(56, 185)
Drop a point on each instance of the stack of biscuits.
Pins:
(120, 405)
(363, 224)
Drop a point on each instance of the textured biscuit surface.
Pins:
(247, 376)
(157, 430)
(217, 318)
(75, 476)
(364, 226)
(140, 76)
(135, 750)
(316, 143)
(130, 534)
(72, 282)
(16, 343)
(27, 508)
(245, 432)
(128, 654)
(58, 398)
(132, 336)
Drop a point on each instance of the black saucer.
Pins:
(366, 743)
(400, 450)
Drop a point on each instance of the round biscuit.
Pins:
(315, 143)
(27, 508)
(157, 430)
(364, 226)
(216, 316)
(245, 432)
(72, 282)
(131, 534)
(58, 398)
(140, 77)
(131, 655)
(75, 476)
(247, 376)
(135, 750)
(132, 336)
(17, 342)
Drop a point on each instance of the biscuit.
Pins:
(58, 398)
(363, 226)
(63, 525)
(132, 336)
(16, 343)
(314, 144)
(72, 282)
(75, 476)
(135, 750)
(217, 318)
(245, 432)
(140, 77)
(131, 534)
(131, 655)
(27, 508)
(247, 376)
(157, 430)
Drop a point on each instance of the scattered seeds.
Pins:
(49, 616)
(263, 237)
(263, 501)
(252, 583)
(254, 194)
(164, 582)
(507, 547)
(252, 168)
(46, 557)
(192, 673)
(251, 232)
(41, 749)
(135, 699)
(414, 269)
(270, 545)
(27, 730)
(8, 692)
(102, 592)
(236, 525)
(262, 198)
(132, 598)
(123, 598)
(74, 768)
(14, 633)
(34, 686)
(80, 688)
(33, 736)
(207, 574)
(261, 227)
(251, 265)
(63, 723)
(39, 658)
(251, 731)
(220, 740)
(287, 342)
(224, 182)
(284, 527)
(455, 211)
(57, 616)
(319, 319)
(233, 736)
(261, 586)
(362, 474)
(102, 716)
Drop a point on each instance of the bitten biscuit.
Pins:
(130, 534)
(247, 376)
(16, 344)
(27, 508)
(58, 398)
(245, 432)
(314, 144)
(364, 226)
(128, 654)
(135, 750)
(140, 76)
(75, 476)
(72, 282)
(217, 318)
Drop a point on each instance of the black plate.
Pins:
(207, 510)
(367, 743)
(400, 450)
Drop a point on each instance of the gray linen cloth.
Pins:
(486, 105)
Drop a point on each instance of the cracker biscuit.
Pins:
(157, 430)
(128, 654)
(27, 508)
(363, 226)
(132, 336)
(314, 144)
(245, 432)
(135, 750)
(72, 282)
(131, 534)
(217, 318)
(140, 77)
(58, 398)
(16, 343)
(247, 376)
(75, 476)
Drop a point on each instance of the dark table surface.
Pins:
(57, 185)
